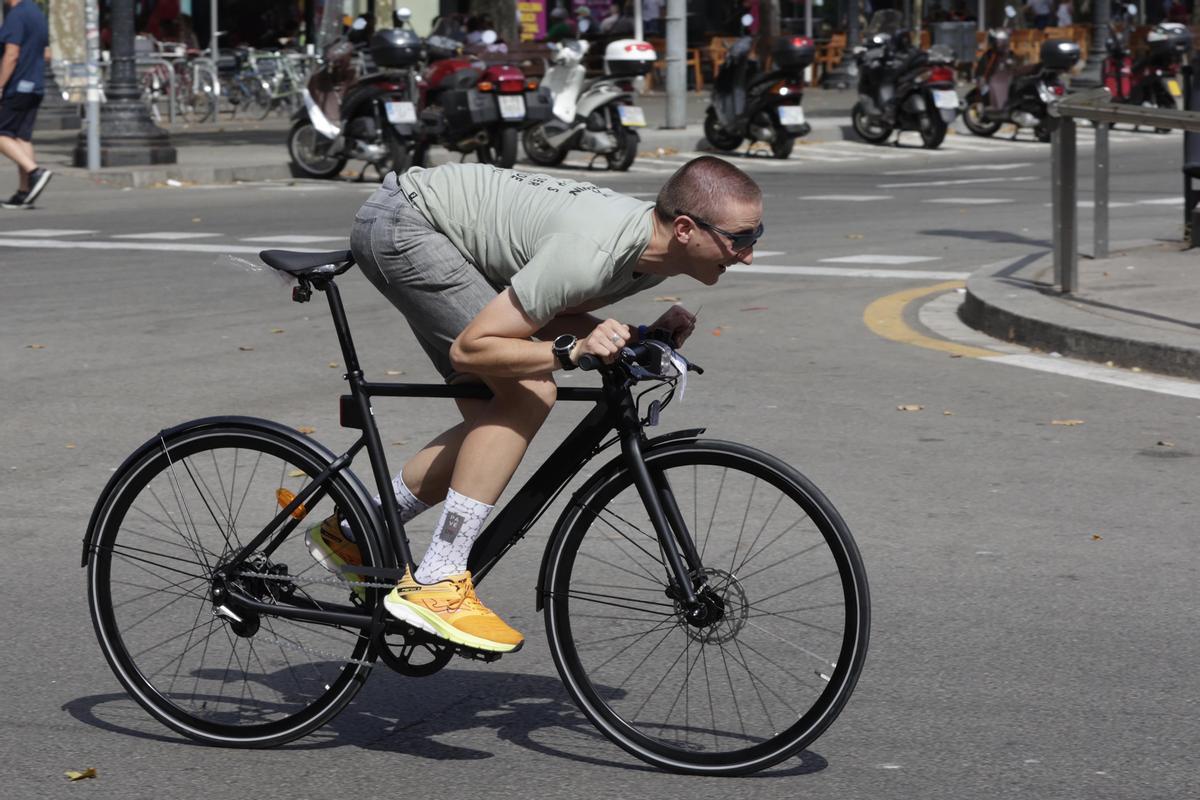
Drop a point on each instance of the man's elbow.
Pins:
(464, 355)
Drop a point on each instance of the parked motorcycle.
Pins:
(760, 106)
(1021, 95)
(469, 106)
(900, 86)
(1154, 79)
(372, 117)
(597, 115)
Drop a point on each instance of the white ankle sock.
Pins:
(409, 504)
(461, 522)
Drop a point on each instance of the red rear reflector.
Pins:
(512, 85)
(941, 74)
(1060, 90)
(800, 41)
(485, 86)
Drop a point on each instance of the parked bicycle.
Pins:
(704, 602)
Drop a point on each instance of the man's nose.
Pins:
(747, 255)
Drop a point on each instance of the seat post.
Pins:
(342, 326)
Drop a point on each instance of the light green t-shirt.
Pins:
(558, 243)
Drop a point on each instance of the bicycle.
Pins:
(705, 604)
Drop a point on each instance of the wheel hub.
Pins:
(722, 611)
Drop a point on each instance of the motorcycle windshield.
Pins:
(886, 21)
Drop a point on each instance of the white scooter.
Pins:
(597, 115)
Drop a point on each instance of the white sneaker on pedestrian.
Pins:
(37, 182)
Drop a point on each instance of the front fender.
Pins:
(316, 450)
(602, 475)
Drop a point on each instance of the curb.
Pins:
(1031, 313)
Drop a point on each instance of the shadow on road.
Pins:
(410, 716)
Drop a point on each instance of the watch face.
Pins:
(564, 342)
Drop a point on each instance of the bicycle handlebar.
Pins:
(646, 359)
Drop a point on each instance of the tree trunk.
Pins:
(768, 28)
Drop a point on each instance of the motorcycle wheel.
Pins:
(306, 146)
(501, 148)
(783, 144)
(1165, 100)
(717, 136)
(935, 133)
(621, 159)
(400, 153)
(973, 117)
(539, 150)
(872, 132)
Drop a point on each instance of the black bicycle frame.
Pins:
(615, 410)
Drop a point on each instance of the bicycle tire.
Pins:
(604, 541)
(173, 510)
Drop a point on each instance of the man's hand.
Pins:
(677, 321)
(604, 342)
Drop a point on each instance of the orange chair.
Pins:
(828, 55)
(692, 60)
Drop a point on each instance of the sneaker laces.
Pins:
(469, 600)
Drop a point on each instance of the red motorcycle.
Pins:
(1152, 80)
(470, 106)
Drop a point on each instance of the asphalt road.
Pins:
(1033, 583)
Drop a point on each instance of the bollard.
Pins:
(1191, 157)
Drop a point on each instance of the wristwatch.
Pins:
(563, 345)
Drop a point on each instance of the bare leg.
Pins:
(27, 147)
(427, 474)
(21, 153)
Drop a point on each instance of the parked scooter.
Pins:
(1020, 95)
(372, 117)
(469, 106)
(900, 86)
(1152, 80)
(762, 107)
(598, 115)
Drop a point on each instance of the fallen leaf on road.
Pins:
(947, 413)
(36, 346)
(307, 429)
(77, 775)
(197, 219)
(755, 308)
(1068, 422)
(1165, 443)
(333, 365)
(716, 331)
(297, 473)
(666, 298)
(854, 236)
(244, 348)
(70, 445)
(400, 442)
(909, 407)
(276, 330)
(1096, 537)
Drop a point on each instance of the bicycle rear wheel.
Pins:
(783, 575)
(174, 515)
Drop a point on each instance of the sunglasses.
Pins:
(742, 240)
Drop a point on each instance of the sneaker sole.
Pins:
(431, 623)
(330, 561)
(37, 188)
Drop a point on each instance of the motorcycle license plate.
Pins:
(632, 116)
(1173, 88)
(512, 106)
(400, 113)
(791, 115)
(944, 98)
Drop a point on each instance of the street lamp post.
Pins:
(1101, 14)
(127, 134)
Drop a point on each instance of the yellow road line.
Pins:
(885, 317)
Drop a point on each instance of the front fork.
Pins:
(674, 539)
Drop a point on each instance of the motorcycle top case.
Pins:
(629, 57)
(395, 48)
(469, 108)
(1169, 39)
(793, 52)
(1059, 54)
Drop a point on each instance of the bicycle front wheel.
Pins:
(787, 628)
(173, 517)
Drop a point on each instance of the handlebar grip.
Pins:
(588, 362)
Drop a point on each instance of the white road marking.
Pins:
(940, 315)
(964, 168)
(1092, 204)
(769, 253)
(1162, 201)
(879, 259)
(956, 182)
(46, 232)
(175, 247)
(166, 235)
(848, 198)
(295, 239)
(969, 201)
(852, 272)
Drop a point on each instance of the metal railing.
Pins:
(1097, 107)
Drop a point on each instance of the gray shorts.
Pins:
(418, 269)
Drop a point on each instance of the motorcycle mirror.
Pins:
(488, 37)
(1132, 9)
(1010, 12)
(747, 20)
(360, 24)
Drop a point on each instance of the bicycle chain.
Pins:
(306, 581)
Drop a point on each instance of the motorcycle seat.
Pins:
(1027, 69)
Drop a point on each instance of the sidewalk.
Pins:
(244, 150)
(1139, 308)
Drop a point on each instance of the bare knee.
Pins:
(535, 396)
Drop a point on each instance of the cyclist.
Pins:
(497, 272)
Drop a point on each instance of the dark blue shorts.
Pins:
(17, 114)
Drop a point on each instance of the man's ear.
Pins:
(682, 228)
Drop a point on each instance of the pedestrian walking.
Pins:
(1066, 14)
(25, 38)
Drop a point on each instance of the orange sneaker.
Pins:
(330, 548)
(450, 609)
